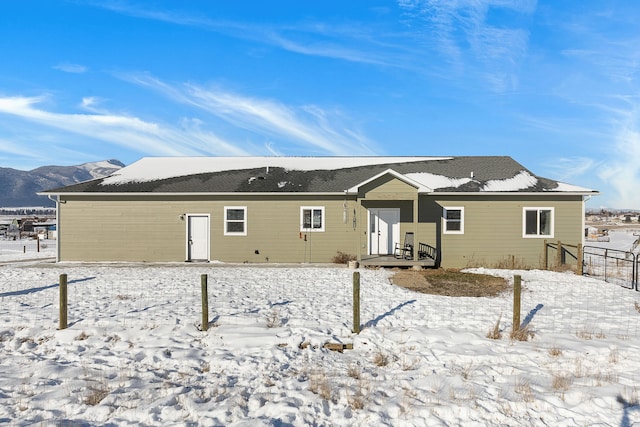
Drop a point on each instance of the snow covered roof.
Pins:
(156, 168)
(467, 174)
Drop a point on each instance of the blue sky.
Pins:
(555, 85)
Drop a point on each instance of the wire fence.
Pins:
(611, 265)
(26, 248)
(307, 302)
(271, 299)
(588, 309)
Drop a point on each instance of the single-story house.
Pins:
(457, 211)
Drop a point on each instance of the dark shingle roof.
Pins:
(280, 180)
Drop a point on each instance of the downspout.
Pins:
(356, 223)
(585, 199)
(57, 202)
(416, 243)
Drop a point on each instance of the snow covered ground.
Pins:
(620, 239)
(134, 352)
(26, 249)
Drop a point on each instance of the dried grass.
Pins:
(523, 388)
(96, 392)
(450, 282)
(555, 352)
(357, 399)
(410, 364)
(343, 258)
(584, 334)
(83, 336)
(522, 334)
(512, 262)
(319, 384)
(354, 371)
(495, 333)
(589, 334)
(466, 370)
(274, 319)
(561, 382)
(380, 358)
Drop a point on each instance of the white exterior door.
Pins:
(384, 230)
(197, 237)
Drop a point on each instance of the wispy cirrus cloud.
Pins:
(11, 148)
(458, 30)
(121, 130)
(603, 79)
(565, 169)
(468, 41)
(621, 171)
(263, 126)
(307, 127)
(352, 42)
(68, 67)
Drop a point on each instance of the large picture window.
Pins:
(453, 219)
(312, 218)
(235, 221)
(537, 222)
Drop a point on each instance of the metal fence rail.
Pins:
(611, 265)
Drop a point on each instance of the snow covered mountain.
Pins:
(18, 188)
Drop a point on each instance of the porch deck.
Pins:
(391, 261)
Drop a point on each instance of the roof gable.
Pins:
(421, 188)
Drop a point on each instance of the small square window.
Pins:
(453, 220)
(235, 221)
(537, 222)
(312, 218)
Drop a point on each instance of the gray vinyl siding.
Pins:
(150, 229)
(493, 233)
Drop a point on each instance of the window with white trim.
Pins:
(235, 220)
(453, 220)
(537, 222)
(311, 218)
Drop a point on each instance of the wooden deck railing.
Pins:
(427, 251)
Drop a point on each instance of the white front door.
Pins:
(197, 237)
(384, 230)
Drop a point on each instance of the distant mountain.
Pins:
(19, 188)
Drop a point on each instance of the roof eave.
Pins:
(351, 192)
(519, 193)
(225, 193)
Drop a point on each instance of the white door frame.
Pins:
(384, 230)
(201, 241)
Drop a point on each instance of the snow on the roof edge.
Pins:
(157, 168)
(436, 182)
(564, 187)
(519, 182)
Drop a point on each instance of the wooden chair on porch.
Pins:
(405, 250)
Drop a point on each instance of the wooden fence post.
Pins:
(63, 301)
(545, 255)
(579, 256)
(517, 290)
(356, 302)
(205, 302)
(559, 255)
